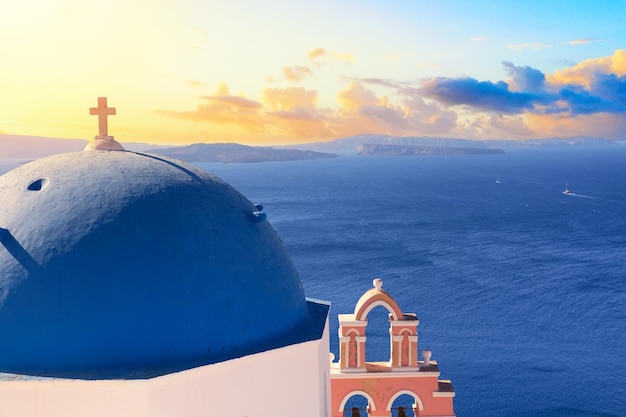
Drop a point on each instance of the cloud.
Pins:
(483, 95)
(297, 73)
(297, 114)
(478, 39)
(290, 98)
(288, 111)
(531, 46)
(223, 108)
(493, 126)
(503, 126)
(584, 72)
(316, 53)
(293, 111)
(302, 123)
(194, 83)
(593, 86)
(364, 112)
(322, 53)
(606, 94)
(583, 41)
(588, 98)
(585, 89)
(233, 101)
(388, 116)
(381, 82)
(525, 78)
(595, 125)
(355, 97)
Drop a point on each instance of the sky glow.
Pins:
(273, 72)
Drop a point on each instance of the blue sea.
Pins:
(519, 288)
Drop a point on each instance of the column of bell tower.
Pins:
(351, 343)
(403, 341)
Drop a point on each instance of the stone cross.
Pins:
(102, 111)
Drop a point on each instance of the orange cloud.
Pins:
(293, 111)
(321, 52)
(302, 123)
(318, 52)
(555, 107)
(355, 97)
(234, 101)
(583, 73)
(363, 112)
(297, 73)
(606, 125)
(223, 108)
(290, 98)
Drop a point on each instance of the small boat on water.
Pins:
(567, 191)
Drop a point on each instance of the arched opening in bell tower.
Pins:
(356, 404)
(377, 345)
(404, 404)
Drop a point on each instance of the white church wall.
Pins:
(288, 380)
(59, 397)
(285, 381)
(324, 379)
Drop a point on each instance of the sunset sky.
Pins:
(277, 72)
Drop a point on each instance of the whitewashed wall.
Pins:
(293, 380)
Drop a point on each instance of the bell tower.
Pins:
(402, 332)
(381, 383)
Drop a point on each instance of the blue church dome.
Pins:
(122, 264)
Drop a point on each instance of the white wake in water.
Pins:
(578, 195)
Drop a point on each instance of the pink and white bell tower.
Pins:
(381, 383)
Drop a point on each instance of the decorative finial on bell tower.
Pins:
(103, 142)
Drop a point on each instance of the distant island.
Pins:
(353, 144)
(375, 149)
(33, 147)
(21, 147)
(233, 152)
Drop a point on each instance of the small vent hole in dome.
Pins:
(37, 185)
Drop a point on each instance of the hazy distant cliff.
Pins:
(351, 145)
(409, 150)
(33, 147)
(232, 152)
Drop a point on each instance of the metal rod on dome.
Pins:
(17, 251)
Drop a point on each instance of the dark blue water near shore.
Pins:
(520, 289)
